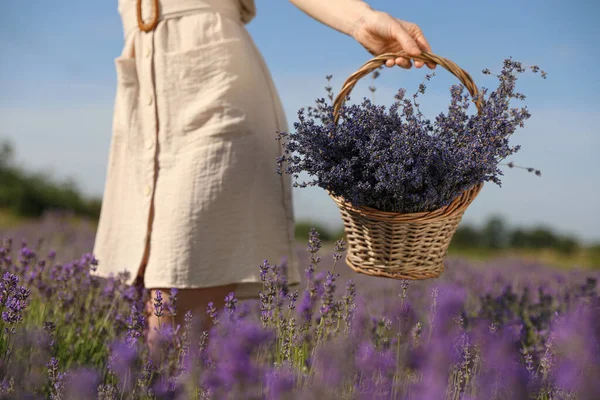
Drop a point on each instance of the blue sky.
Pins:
(57, 82)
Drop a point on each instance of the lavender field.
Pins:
(505, 329)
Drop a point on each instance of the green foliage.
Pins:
(31, 194)
(594, 251)
(543, 237)
(6, 153)
(302, 228)
(496, 235)
(466, 237)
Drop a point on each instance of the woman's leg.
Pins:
(194, 300)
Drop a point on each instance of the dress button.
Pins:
(148, 52)
(150, 100)
(147, 190)
(150, 145)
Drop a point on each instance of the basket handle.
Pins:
(378, 61)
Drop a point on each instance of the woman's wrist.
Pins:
(357, 17)
(345, 16)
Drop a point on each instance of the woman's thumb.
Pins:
(409, 45)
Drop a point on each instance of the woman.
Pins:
(192, 200)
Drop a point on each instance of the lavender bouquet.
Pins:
(395, 159)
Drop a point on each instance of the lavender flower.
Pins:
(264, 270)
(396, 160)
(212, 312)
(13, 300)
(56, 379)
(82, 384)
(135, 323)
(314, 245)
(279, 383)
(328, 305)
(122, 360)
(275, 291)
(511, 330)
(230, 303)
(236, 371)
(172, 303)
(158, 304)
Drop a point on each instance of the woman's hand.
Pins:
(376, 31)
(380, 33)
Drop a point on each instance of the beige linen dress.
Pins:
(192, 198)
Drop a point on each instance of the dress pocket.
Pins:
(207, 90)
(127, 94)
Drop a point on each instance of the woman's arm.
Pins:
(341, 15)
(376, 31)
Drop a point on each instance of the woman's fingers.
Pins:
(400, 35)
(415, 32)
(421, 41)
(403, 62)
(409, 45)
(424, 45)
(399, 61)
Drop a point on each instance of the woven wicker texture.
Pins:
(394, 245)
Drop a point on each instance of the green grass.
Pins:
(583, 259)
(9, 219)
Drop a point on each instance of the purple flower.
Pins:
(82, 384)
(349, 301)
(500, 355)
(235, 370)
(328, 306)
(14, 306)
(230, 303)
(338, 248)
(305, 309)
(56, 378)
(314, 242)
(293, 297)
(264, 270)
(122, 360)
(212, 312)
(171, 304)
(396, 160)
(275, 290)
(108, 392)
(13, 300)
(27, 255)
(158, 304)
(370, 360)
(136, 321)
(576, 338)
(279, 383)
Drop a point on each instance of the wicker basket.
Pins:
(395, 245)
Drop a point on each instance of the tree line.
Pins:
(30, 194)
(495, 234)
